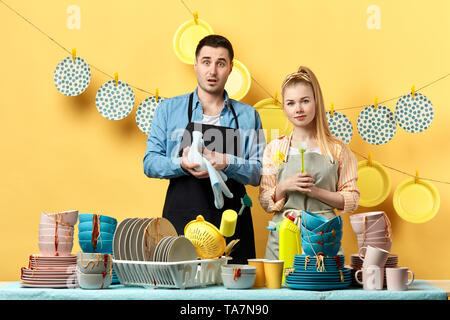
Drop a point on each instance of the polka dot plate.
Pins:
(114, 102)
(340, 126)
(71, 77)
(376, 126)
(145, 112)
(414, 114)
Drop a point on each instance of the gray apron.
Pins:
(324, 171)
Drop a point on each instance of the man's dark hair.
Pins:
(215, 41)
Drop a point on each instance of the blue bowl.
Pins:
(333, 223)
(103, 246)
(89, 226)
(329, 250)
(325, 237)
(87, 235)
(311, 220)
(84, 217)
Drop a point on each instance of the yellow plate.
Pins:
(274, 121)
(373, 183)
(416, 202)
(187, 37)
(238, 82)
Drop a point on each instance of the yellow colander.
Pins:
(209, 243)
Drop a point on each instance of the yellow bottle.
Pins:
(289, 241)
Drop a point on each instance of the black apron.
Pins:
(187, 197)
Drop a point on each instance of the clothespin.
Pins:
(275, 99)
(332, 109)
(157, 94)
(416, 179)
(74, 54)
(196, 17)
(116, 78)
(369, 159)
(375, 103)
(413, 91)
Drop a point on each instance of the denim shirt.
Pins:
(162, 159)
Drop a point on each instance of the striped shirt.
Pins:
(274, 156)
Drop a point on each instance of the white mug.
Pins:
(397, 278)
(373, 277)
(373, 256)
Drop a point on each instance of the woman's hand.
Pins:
(300, 182)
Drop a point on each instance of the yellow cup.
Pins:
(273, 271)
(260, 280)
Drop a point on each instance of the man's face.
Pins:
(213, 66)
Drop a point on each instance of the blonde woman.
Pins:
(331, 168)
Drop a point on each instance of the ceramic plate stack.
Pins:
(356, 264)
(50, 272)
(308, 274)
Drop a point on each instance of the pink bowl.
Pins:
(370, 216)
(374, 239)
(53, 226)
(376, 234)
(382, 245)
(371, 226)
(51, 232)
(52, 238)
(48, 248)
(66, 217)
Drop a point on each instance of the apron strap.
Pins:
(191, 98)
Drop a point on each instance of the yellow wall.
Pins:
(59, 153)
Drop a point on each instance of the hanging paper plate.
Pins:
(145, 112)
(187, 37)
(71, 77)
(274, 121)
(340, 126)
(376, 126)
(416, 201)
(114, 102)
(374, 183)
(238, 82)
(414, 114)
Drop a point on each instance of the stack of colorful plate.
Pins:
(309, 273)
(50, 272)
(356, 264)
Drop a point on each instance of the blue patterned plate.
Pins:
(340, 126)
(414, 114)
(71, 78)
(114, 102)
(376, 126)
(145, 112)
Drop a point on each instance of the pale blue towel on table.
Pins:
(419, 290)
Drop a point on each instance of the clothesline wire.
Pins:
(267, 92)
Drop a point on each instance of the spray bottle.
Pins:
(289, 241)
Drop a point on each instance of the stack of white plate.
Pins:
(50, 272)
(174, 249)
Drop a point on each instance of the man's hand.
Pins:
(190, 167)
(218, 160)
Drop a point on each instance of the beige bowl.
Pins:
(48, 248)
(60, 232)
(66, 217)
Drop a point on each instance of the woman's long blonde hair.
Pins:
(322, 132)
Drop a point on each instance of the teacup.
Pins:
(397, 278)
(373, 256)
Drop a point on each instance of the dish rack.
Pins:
(181, 275)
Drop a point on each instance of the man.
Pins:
(234, 145)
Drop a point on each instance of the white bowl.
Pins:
(48, 248)
(94, 281)
(90, 263)
(52, 238)
(244, 281)
(371, 226)
(244, 268)
(60, 232)
(66, 217)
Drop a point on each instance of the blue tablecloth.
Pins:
(419, 290)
